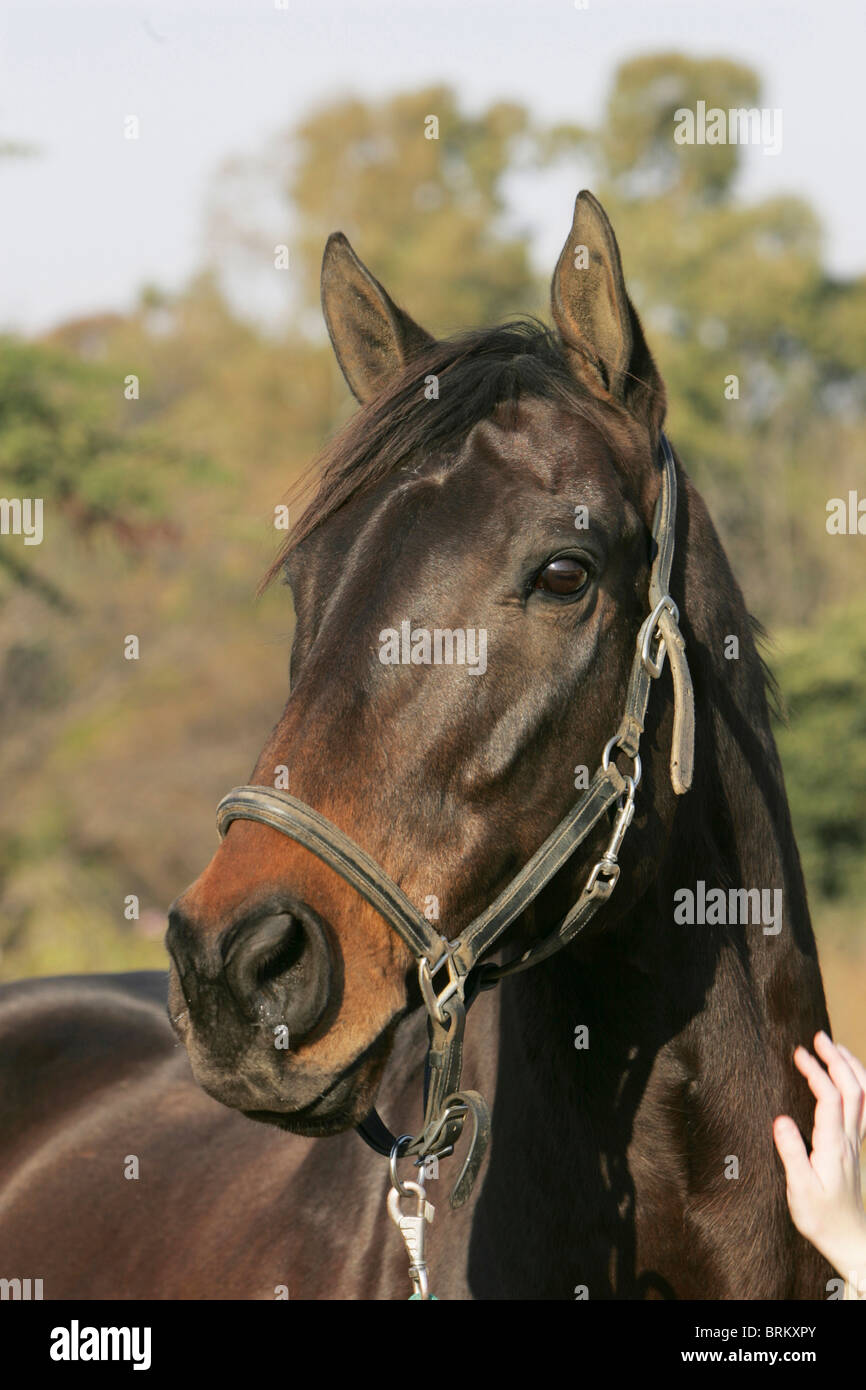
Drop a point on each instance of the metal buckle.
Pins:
(654, 665)
(436, 1002)
(431, 1139)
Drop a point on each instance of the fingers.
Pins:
(860, 1072)
(820, 1085)
(829, 1119)
(846, 1082)
(792, 1152)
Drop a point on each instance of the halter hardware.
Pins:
(436, 1002)
(605, 874)
(447, 1107)
(651, 631)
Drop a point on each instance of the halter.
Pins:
(451, 972)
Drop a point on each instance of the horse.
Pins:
(191, 1137)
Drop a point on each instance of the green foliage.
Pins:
(822, 675)
(425, 210)
(69, 436)
(61, 427)
(636, 140)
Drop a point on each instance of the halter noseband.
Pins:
(446, 1105)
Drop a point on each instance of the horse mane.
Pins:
(763, 645)
(479, 372)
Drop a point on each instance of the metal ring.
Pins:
(395, 1154)
(635, 757)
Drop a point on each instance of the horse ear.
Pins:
(597, 322)
(371, 336)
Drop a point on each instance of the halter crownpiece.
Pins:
(457, 963)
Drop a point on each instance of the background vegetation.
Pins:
(159, 511)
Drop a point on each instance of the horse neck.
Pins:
(636, 984)
(735, 824)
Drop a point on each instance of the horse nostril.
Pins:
(278, 957)
(278, 967)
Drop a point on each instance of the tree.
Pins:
(417, 183)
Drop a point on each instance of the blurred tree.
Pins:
(418, 184)
(70, 437)
(822, 672)
(110, 480)
(428, 211)
(636, 142)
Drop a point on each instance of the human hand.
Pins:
(824, 1195)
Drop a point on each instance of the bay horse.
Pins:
(506, 482)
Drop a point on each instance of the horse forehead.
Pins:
(525, 450)
(504, 475)
(541, 444)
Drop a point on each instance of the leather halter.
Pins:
(446, 1106)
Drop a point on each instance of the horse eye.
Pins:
(563, 576)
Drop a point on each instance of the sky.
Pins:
(91, 216)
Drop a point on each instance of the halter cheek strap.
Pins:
(456, 963)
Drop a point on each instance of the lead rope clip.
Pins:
(412, 1225)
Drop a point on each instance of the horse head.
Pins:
(468, 585)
